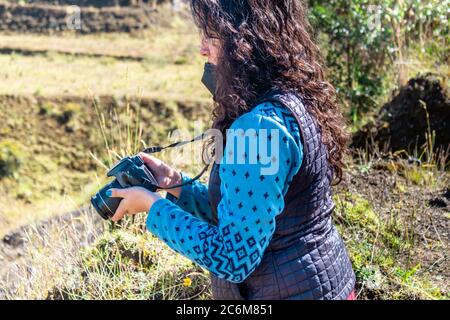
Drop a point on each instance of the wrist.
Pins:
(175, 192)
(177, 178)
(150, 200)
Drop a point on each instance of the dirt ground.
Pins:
(16, 257)
(418, 114)
(423, 211)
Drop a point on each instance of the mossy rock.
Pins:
(11, 157)
(418, 115)
(69, 110)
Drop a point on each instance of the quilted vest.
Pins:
(306, 257)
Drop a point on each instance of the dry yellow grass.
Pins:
(161, 62)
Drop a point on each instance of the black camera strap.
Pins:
(157, 149)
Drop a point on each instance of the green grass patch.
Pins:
(375, 245)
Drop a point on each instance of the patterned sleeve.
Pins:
(252, 196)
(193, 199)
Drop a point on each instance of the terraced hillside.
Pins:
(87, 16)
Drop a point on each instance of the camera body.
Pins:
(128, 172)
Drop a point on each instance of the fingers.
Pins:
(117, 193)
(120, 212)
(122, 209)
(150, 160)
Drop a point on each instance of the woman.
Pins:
(261, 235)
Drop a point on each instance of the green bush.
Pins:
(364, 39)
(68, 112)
(10, 157)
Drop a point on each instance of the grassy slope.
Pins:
(52, 119)
(396, 237)
(58, 171)
(170, 67)
(53, 122)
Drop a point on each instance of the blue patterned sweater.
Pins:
(252, 197)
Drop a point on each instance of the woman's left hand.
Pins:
(134, 200)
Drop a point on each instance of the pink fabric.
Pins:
(352, 296)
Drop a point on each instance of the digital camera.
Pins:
(129, 172)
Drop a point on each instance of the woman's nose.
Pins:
(204, 50)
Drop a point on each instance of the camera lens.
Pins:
(104, 205)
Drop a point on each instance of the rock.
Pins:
(422, 106)
(447, 194)
(442, 201)
(14, 239)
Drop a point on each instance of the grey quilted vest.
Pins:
(306, 258)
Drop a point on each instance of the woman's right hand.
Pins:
(164, 174)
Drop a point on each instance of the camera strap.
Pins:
(156, 149)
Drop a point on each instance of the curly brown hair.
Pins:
(265, 45)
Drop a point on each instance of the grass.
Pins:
(67, 64)
(62, 75)
(67, 148)
(125, 263)
(374, 246)
(383, 223)
(61, 137)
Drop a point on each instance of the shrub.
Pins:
(10, 157)
(68, 111)
(364, 39)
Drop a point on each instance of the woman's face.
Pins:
(210, 49)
